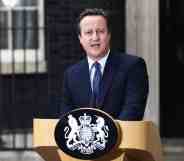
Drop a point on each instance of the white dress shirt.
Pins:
(102, 62)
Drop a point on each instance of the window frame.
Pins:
(24, 60)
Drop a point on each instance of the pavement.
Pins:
(173, 149)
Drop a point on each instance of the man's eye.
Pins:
(101, 31)
(88, 32)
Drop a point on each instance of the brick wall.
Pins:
(23, 97)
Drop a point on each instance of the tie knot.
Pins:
(97, 66)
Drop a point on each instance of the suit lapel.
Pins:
(84, 79)
(109, 71)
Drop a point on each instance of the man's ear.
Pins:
(109, 36)
(79, 37)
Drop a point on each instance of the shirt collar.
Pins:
(102, 61)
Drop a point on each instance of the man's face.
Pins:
(94, 36)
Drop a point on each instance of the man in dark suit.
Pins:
(114, 82)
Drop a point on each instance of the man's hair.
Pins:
(93, 12)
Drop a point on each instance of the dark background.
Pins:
(172, 68)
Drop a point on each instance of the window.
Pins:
(22, 38)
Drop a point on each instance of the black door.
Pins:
(172, 67)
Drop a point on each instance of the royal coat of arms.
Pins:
(85, 135)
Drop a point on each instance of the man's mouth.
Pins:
(95, 45)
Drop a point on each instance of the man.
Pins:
(114, 82)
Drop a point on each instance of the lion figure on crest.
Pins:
(72, 135)
(101, 129)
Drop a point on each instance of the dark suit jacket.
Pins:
(124, 87)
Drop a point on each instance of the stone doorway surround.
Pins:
(142, 39)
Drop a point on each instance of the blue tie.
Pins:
(96, 82)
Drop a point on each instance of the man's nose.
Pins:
(95, 36)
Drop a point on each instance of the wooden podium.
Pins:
(140, 141)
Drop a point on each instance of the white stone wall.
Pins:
(142, 39)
